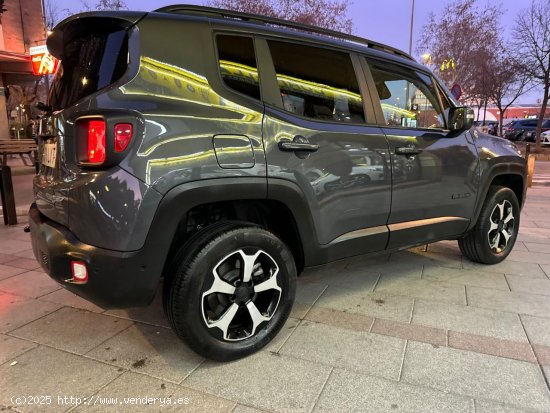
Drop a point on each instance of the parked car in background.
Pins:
(515, 130)
(529, 136)
(492, 126)
(545, 138)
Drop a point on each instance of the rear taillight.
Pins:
(123, 136)
(101, 142)
(96, 142)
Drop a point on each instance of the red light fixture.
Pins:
(123, 136)
(96, 141)
(101, 142)
(79, 272)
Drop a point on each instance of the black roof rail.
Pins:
(254, 18)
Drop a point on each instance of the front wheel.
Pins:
(232, 290)
(494, 235)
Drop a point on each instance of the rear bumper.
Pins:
(115, 279)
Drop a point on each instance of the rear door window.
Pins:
(238, 66)
(317, 83)
(92, 61)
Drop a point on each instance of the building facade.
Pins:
(21, 27)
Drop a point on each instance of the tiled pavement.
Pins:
(417, 331)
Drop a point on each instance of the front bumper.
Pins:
(116, 279)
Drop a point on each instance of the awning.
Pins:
(16, 63)
(16, 68)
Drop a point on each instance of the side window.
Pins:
(317, 83)
(409, 98)
(238, 64)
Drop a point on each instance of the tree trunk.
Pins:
(500, 119)
(541, 117)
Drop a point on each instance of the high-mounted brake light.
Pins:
(123, 136)
(96, 141)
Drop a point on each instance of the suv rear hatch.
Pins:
(94, 53)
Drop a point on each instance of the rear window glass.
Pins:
(92, 62)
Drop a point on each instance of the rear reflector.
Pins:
(123, 136)
(96, 141)
(79, 272)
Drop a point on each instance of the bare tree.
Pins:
(458, 40)
(103, 5)
(322, 13)
(532, 44)
(53, 13)
(507, 81)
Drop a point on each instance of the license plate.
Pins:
(48, 155)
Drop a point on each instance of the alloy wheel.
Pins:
(502, 226)
(243, 295)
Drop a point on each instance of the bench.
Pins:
(19, 147)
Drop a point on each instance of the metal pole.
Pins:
(407, 93)
(412, 26)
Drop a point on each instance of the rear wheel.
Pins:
(494, 235)
(232, 289)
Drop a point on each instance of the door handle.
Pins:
(298, 144)
(290, 146)
(407, 150)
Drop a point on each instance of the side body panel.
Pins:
(433, 191)
(342, 196)
(176, 97)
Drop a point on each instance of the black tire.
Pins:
(196, 306)
(486, 242)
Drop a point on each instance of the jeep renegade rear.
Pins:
(224, 153)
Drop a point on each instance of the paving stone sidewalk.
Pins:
(422, 330)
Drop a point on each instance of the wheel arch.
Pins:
(508, 174)
(284, 212)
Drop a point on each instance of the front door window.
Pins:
(408, 97)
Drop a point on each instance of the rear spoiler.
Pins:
(78, 24)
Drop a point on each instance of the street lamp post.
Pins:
(410, 53)
(412, 26)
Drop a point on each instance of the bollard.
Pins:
(8, 198)
(530, 170)
(530, 165)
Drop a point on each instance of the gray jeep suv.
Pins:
(223, 153)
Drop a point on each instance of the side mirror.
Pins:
(461, 118)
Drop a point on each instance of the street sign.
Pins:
(43, 63)
(456, 90)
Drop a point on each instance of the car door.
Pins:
(434, 172)
(320, 135)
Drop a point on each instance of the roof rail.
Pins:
(254, 18)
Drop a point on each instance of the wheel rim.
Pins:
(501, 229)
(243, 295)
